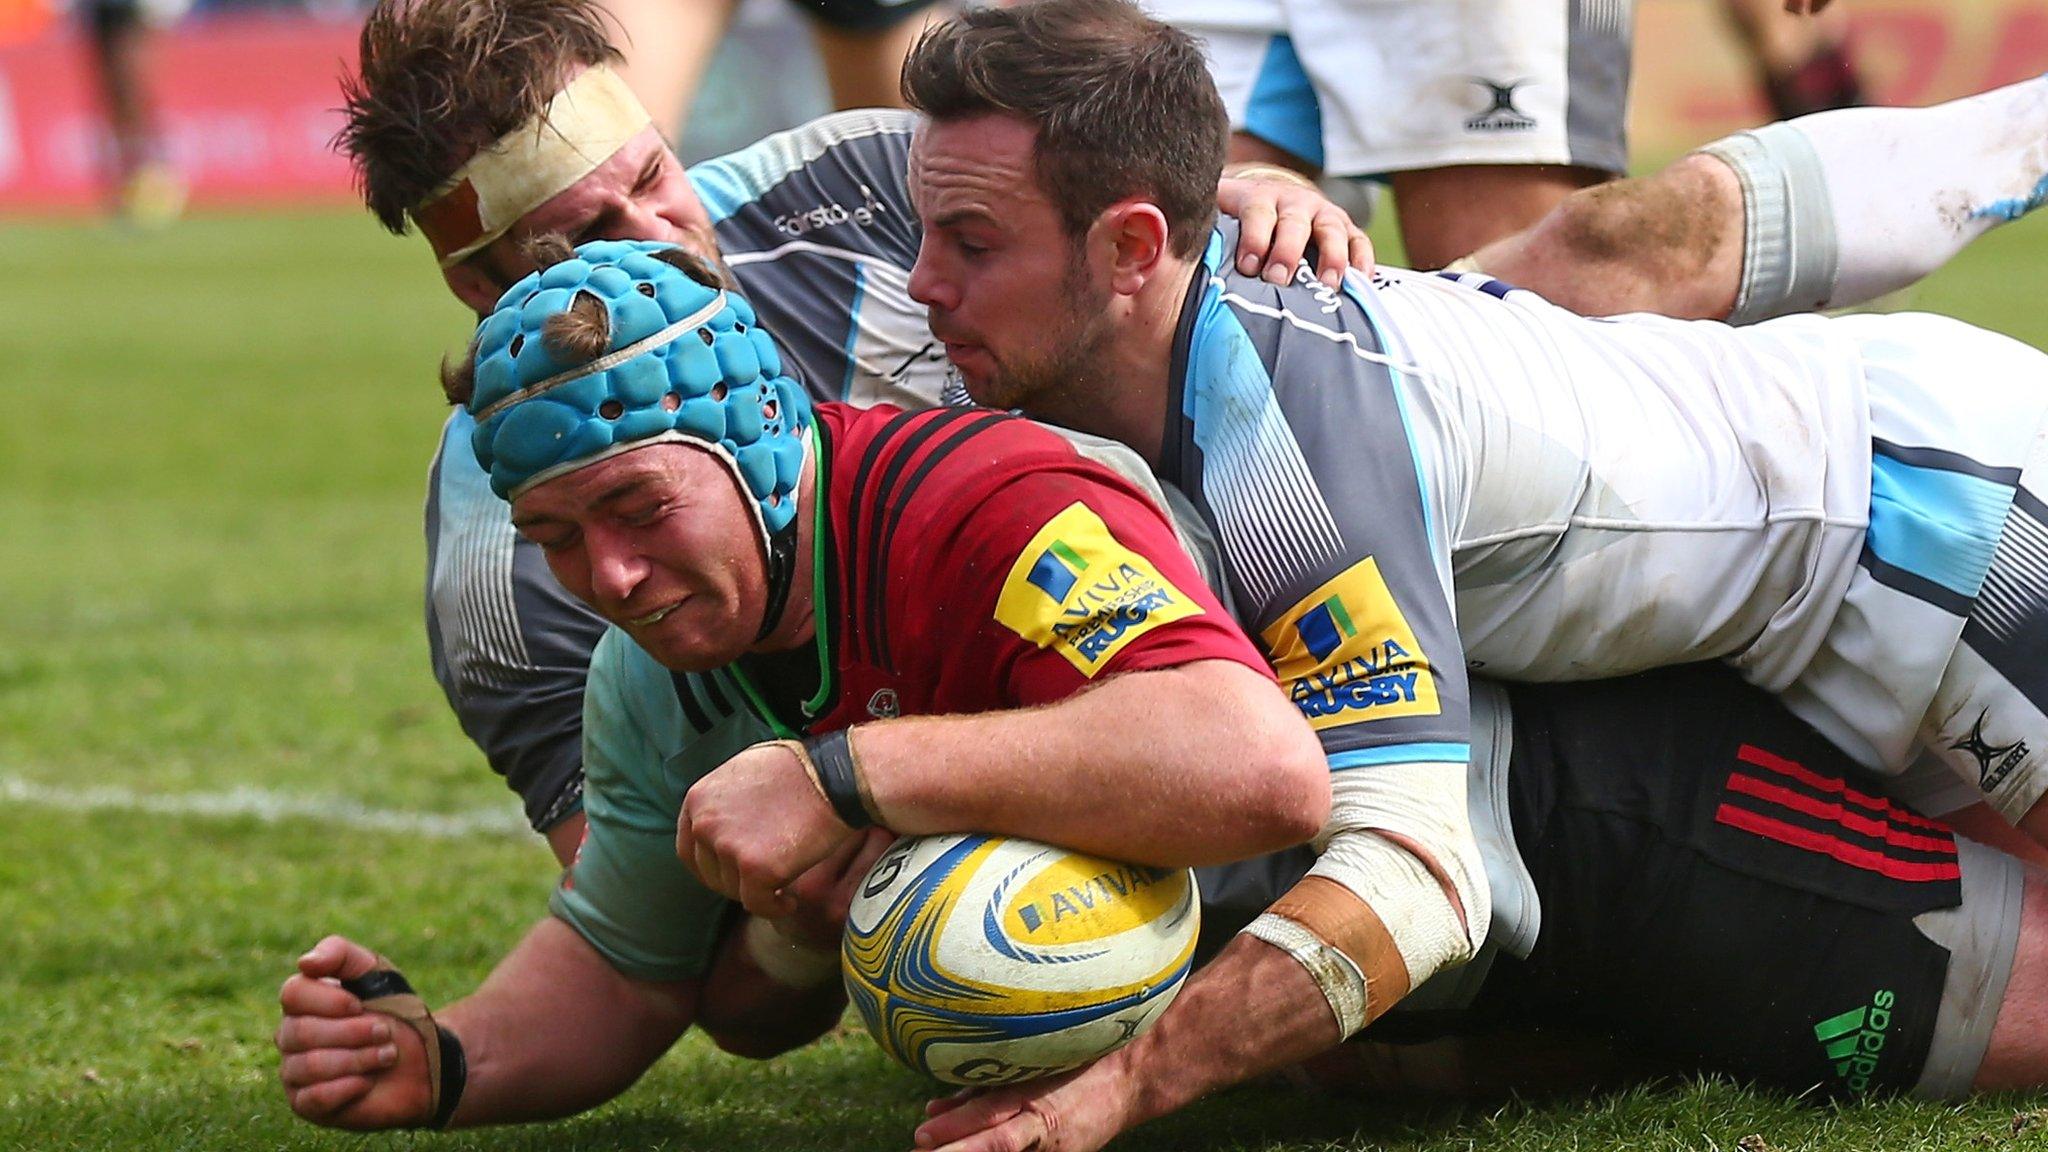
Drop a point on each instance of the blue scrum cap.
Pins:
(685, 363)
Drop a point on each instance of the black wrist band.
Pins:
(385, 992)
(454, 1076)
(832, 756)
(377, 984)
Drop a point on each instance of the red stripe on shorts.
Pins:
(1822, 810)
(1820, 842)
(1751, 754)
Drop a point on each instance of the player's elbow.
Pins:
(1297, 792)
(1288, 774)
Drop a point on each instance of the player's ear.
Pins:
(473, 286)
(1137, 235)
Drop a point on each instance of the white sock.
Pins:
(1910, 187)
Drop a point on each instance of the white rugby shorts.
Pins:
(1364, 87)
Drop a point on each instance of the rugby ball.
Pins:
(990, 960)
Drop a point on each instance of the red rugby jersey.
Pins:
(978, 561)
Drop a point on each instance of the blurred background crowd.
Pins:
(144, 108)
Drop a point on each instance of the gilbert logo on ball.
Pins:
(986, 960)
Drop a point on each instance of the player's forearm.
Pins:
(1397, 893)
(555, 1030)
(564, 838)
(1198, 764)
(1258, 1008)
(1251, 1011)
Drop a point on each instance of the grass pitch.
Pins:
(219, 738)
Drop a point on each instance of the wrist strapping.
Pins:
(386, 992)
(1336, 975)
(831, 761)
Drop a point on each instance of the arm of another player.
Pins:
(1280, 213)
(552, 1031)
(1151, 730)
(1147, 767)
(1249, 1012)
(1272, 997)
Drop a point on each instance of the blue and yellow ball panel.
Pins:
(987, 960)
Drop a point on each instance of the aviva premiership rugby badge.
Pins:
(1345, 653)
(1077, 590)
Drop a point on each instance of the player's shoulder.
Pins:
(851, 163)
(937, 473)
(1301, 355)
(894, 447)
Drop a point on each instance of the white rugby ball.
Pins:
(989, 960)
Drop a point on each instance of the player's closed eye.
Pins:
(551, 541)
(640, 516)
(649, 176)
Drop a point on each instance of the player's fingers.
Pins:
(1362, 256)
(340, 958)
(760, 896)
(945, 1104)
(1331, 232)
(963, 1114)
(1019, 1133)
(305, 1033)
(819, 884)
(307, 996)
(870, 849)
(319, 1101)
(1290, 243)
(1254, 235)
(710, 869)
(686, 838)
(303, 1069)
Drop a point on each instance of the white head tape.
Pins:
(587, 121)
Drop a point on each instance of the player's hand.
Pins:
(1277, 220)
(756, 823)
(341, 1065)
(823, 894)
(1078, 1112)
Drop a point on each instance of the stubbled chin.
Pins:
(686, 649)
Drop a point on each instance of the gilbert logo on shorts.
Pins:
(1854, 1040)
(1994, 761)
(1076, 589)
(1501, 115)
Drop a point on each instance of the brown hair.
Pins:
(579, 333)
(440, 79)
(1123, 104)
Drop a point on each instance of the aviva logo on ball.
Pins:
(1345, 653)
(990, 960)
(1078, 899)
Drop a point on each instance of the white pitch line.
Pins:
(268, 807)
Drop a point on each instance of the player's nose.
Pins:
(616, 568)
(927, 285)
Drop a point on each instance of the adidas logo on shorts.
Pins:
(1854, 1040)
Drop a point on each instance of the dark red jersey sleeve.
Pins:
(1072, 574)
